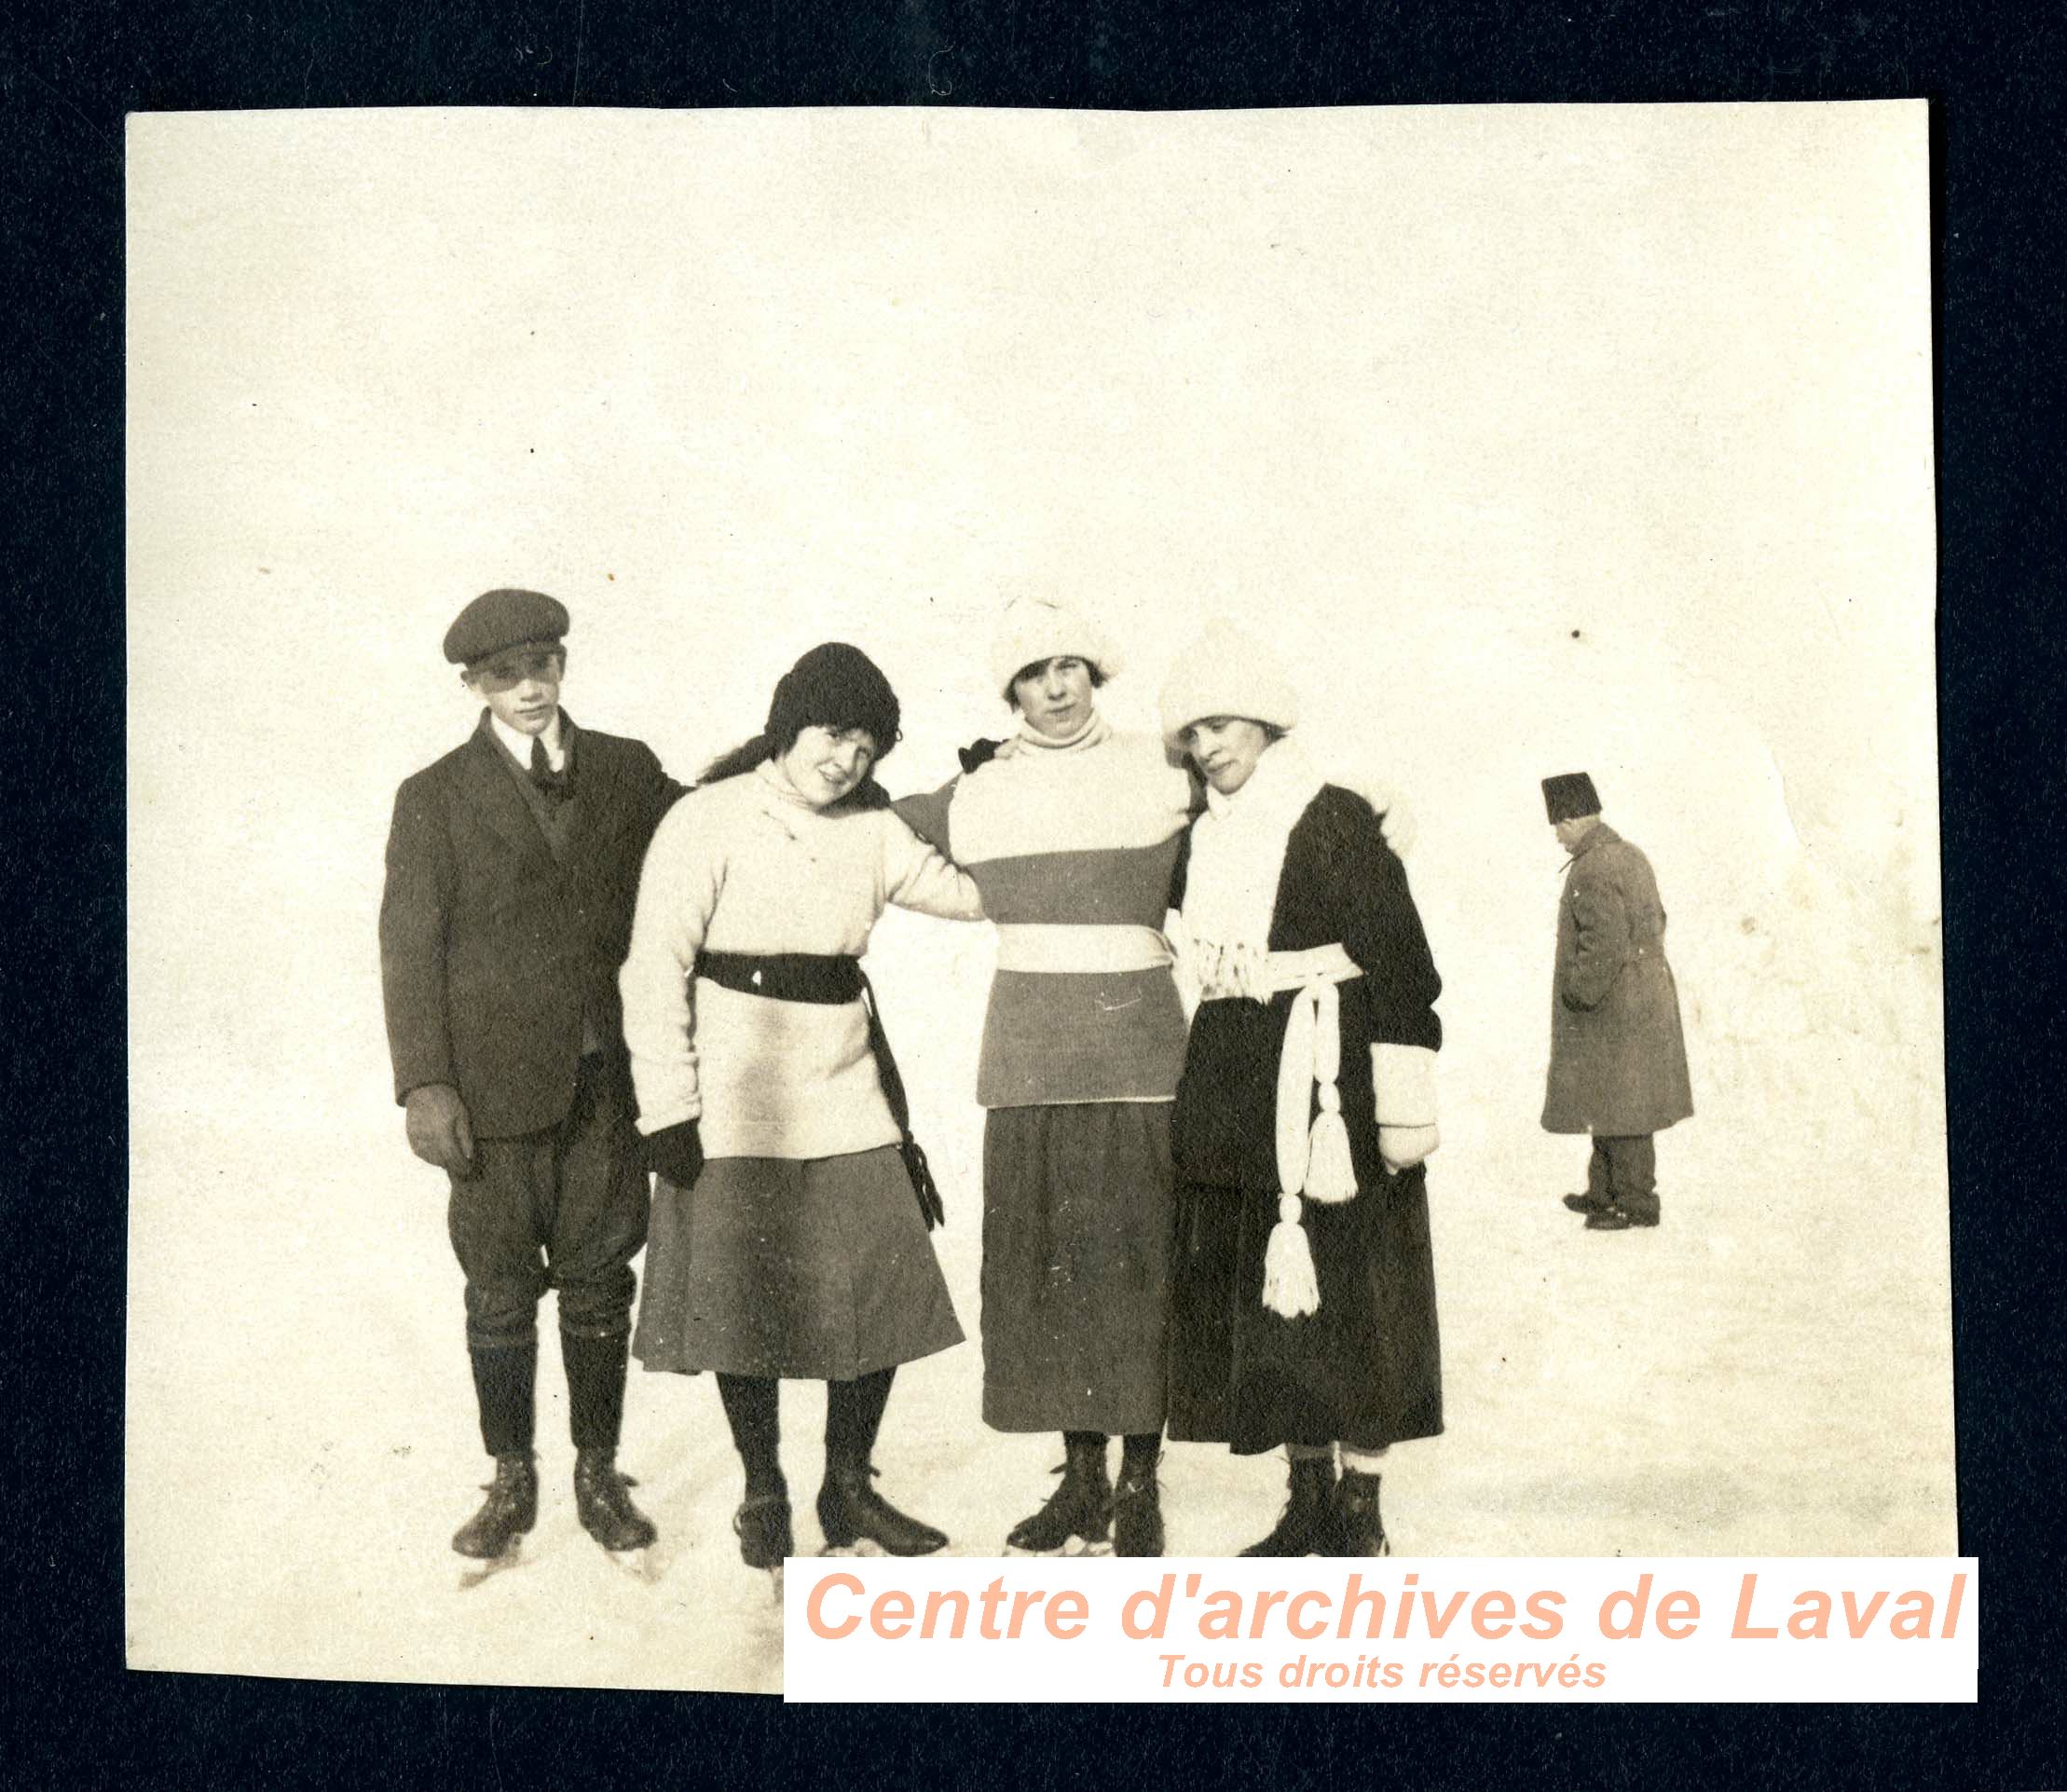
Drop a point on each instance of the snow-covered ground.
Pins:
(1768, 1373)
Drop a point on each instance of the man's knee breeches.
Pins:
(565, 1208)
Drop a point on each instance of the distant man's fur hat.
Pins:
(1570, 795)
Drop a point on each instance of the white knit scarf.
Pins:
(1238, 854)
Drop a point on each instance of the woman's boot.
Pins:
(1078, 1512)
(1307, 1525)
(1359, 1530)
(851, 1512)
(1137, 1502)
(762, 1524)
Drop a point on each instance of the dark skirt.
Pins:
(1364, 1370)
(1077, 1226)
(817, 1269)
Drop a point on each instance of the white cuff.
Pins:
(1402, 1081)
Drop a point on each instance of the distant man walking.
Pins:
(1618, 1066)
(511, 868)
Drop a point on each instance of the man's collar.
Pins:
(557, 736)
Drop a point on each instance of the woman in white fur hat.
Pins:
(1070, 831)
(1302, 1302)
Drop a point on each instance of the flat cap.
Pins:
(501, 619)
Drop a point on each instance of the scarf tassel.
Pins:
(1289, 1289)
(1330, 1175)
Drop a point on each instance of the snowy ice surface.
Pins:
(1768, 1373)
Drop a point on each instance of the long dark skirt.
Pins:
(1076, 1214)
(1364, 1370)
(819, 1269)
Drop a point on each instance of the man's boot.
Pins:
(604, 1505)
(595, 1408)
(505, 1381)
(511, 1508)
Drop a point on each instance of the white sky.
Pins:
(1418, 393)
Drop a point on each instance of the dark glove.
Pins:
(977, 753)
(677, 1153)
(435, 1119)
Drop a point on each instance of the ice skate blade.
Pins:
(860, 1546)
(474, 1569)
(634, 1565)
(1076, 1546)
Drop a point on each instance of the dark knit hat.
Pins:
(501, 619)
(1570, 795)
(834, 686)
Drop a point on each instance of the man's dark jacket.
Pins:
(493, 945)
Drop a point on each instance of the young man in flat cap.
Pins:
(1618, 1066)
(511, 868)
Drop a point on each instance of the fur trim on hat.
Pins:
(1228, 673)
(1034, 629)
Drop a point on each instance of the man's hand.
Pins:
(677, 1153)
(439, 1131)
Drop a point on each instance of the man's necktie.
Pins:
(554, 785)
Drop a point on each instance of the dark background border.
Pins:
(70, 77)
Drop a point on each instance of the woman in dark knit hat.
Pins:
(788, 1235)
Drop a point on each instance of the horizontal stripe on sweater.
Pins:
(1113, 886)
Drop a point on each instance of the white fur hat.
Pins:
(1038, 628)
(1228, 673)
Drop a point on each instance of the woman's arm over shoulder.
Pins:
(926, 812)
(916, 876)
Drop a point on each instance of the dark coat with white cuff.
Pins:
(1364, 1368)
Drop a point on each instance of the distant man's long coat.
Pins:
(498, 954)
(1618, 1058)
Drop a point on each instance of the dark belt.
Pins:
(828, 978)
(832, 980)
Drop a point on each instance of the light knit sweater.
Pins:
(746, 866)
(1073, 846)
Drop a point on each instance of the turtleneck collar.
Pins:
(770, 774)
(1092, 733)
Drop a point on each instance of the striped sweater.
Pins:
(1073, 847)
